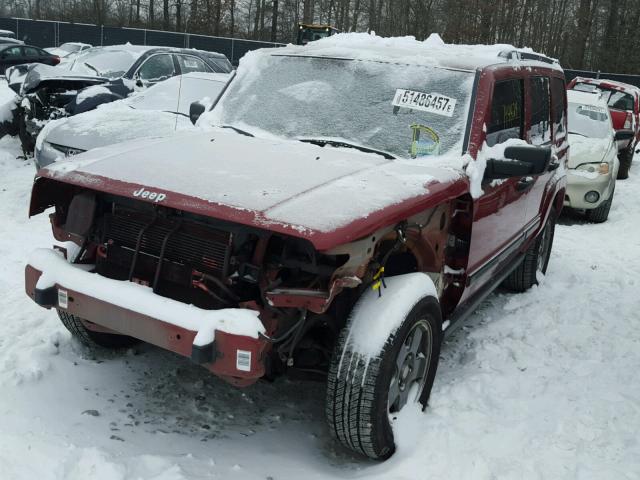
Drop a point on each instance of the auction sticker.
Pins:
(426, 102)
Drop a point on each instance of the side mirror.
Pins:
(519, 161)
(195, 110)
(623, 135)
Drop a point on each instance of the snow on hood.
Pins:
(113, 123)
(285, 181)
(587, 150)
(432, 51)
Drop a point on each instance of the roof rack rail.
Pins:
(519, 55)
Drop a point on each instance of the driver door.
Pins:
(499, 213)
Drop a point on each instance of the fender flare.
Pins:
(378, 314)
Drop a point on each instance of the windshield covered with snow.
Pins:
(589, 120)
(404, 110)
(105, 63)
(70, 47)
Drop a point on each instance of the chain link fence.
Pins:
(43, 33)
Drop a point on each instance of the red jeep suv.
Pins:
(624, 104)
(350, 203)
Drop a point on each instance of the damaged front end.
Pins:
(190, 261)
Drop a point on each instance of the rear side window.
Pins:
(31, 52)
(506, 112)
(558, 103)
(540, 132)
(190, 64)
(620, 101)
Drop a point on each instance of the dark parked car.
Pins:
(12, 54)
(355, 205)
(100, 75)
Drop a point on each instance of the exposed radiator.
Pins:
(196, 245)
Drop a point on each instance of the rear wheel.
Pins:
(94, 339)
(600, 214)
(625, 157)
(364, 394)
(536, 259)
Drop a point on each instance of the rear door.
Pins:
(499, 214)
(542, 132)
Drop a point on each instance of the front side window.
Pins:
(620, 101)
(406, 110)
(540, 131)
(157, 68)
(13, 52)
(506, 112)
(190, 64)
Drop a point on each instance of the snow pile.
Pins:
(8, 102)
(140, 299)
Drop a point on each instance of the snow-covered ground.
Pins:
(542, 385)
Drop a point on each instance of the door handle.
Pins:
(524, 183)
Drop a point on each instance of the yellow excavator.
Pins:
(308, 32)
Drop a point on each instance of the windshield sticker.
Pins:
(426, 102)
(424, 141)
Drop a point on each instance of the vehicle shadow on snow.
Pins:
(570, 217)
(164, 393)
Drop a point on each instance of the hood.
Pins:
(113, 123)
(587, 150)
(39, 74)
(328, 195)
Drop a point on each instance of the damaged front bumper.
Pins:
(228, 342)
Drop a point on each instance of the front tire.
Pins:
(601, 214)
(364, 393)
(536, 259)
(94, 339)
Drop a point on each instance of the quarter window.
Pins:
(540, 132)
(506, 112)
(190, 64)
(157, 68)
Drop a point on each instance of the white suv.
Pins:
(593, 160)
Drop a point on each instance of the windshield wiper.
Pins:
(238, 130)
(92, 68)
(321, 142)
(578, 133)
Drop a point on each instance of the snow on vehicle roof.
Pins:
(432, 51)
(612, 83)
(586, 98)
